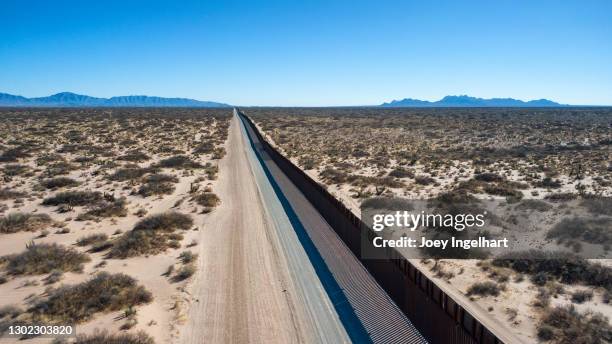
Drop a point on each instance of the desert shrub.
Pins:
(503, 190)
(40, 259)
(119, 338)
(78, 303)
(74, 198)
(401, 172)
(184, 272)
(131, 173)
(91, 239)
(598, 205)
(18, 222)
(7, 193)
(334, 176)
(135, 156)
(565, 325)
(591, 230)
(211, 171)
(10, 311)
(13, 154)
(424, 180)
(548, 183)
(58, 182)
(534, 204)
(581, 296)
(546, 332)
(204, 148)
(151, 235)
(207, 199)
(59, 168)
(47, 158)
(387, 203)
(487, 288)
(488, 177)
(106, 208)
(187, 257)
(179, 161)
(158, 184)
(561, 197)
(540, 278)
(54, 277)
(567, 268)
(218, 153)
(15, 169)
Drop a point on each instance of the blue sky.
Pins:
(309, 52)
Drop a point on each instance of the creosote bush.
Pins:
(565, 325)
(179, 161)
(207, 199)
(487, 288)
(152, 235)
(91, 239)
(18, 222)
(78, 303)
(119, 338)
(40, 259)
(59, 182)
(74, 198)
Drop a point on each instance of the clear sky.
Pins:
(309, 52)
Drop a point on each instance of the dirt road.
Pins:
(248, 289)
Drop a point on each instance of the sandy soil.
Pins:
(240, 293)
(160, 318)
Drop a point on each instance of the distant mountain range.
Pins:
(68, 99)
(467, 101)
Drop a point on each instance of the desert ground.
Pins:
(544, 165)
(103, 215)
(149, 226)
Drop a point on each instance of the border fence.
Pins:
(434, 313)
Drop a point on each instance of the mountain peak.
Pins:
(469, 101)
(70, 99)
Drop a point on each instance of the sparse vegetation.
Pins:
(74, 198)
(40, 259)
(59, 182)
(18, 222)
(152, 235)
(566, 325)
(207, 199)
(103, 337)
(487, 288)
(78, 303)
